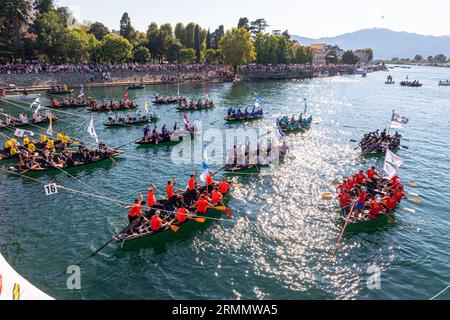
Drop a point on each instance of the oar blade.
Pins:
(174, 228)
(416, 201)
(229, 212)
(200, 220)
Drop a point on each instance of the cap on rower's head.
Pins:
(363, 189)
(158, 213)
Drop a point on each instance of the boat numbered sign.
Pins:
(51, 189)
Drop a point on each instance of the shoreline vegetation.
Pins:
(43, 45)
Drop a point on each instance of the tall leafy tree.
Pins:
(154, 40)
(16, 14)
(197, 43)
(349, 57)
(141, 54)
(116, 49)
(126, 29)
(258, 26)
(243, 23)
(208, 40)
(180, 32)
(187, 55)
(43, 6)
(216, 36)
(99, 30)
(190, 36)
(237, 48)
(50, 35)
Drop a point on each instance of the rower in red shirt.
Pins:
(376, 208)
(192, 182)
(216, 197)
(361, 202)
(181, 214)
(224, 186)
(169, 188)
(209, 182)
(342, 187)
(371, 173)
(156, 222)
(202, 206)
(135, 213)
(151, 199)
(344, 201)
(398, 195)
(360, 177)
(350, 183)
(390, 203)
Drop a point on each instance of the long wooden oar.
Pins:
(203, 219)
(219, 170)
(343, 229)
(411, 184)
(416, 201)
(391, 219)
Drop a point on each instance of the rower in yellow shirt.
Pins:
(31, 147)
(59, 136)
(13, 141)
(25, 141)
(50, 144)
(43, 138)
(13, 151)
(8, 144)
(65, 139)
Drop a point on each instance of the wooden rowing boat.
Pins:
(365, 225)
(248, 119)
(69, 168)
(196, 108)
(166, 100)
(150, 143)
(132, 123)
(68, 106)
(118, 108)
(30, 123)
(147, 237)
(135, 86)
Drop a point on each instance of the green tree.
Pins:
(154, 40)
(198, 52)
(237, 48)
(216, 36)
(141, 54)
(173, 50)
(180, 32)
(126, 29)
(166, 38)
(349, 57)
(16, 14)
(440, 58)
(189, 41)
(99, 30)
(43, 6)
(418, 58)
(302, 55)
(286, 34)
(213, 56)
(50, 35)
(115, 49)
(332, 57)
(77, 46)
(208, 40)
(258, 26)
(244, 23)
(266, 47)
(369, 51)
(187, 55)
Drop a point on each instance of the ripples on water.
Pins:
(281, 242)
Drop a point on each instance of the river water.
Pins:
(280, 243)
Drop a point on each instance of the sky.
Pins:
(314, 19)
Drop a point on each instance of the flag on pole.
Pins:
(392, 163)
(50, 126)
(36, 102)
(81, 95)
(206, 93)
(147, 106)
(258, 101)
(205, 167)
(19, 133)
(280, 133)
(126, 94)
(398, 121)
(91, 130)
(306, 106)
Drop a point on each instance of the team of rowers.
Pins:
(178, 207)
(112, 105)
(184, 104)
(376, 142)
(244, 157)
(131, 117)
(166, 100)
(49, 158)
(414, 83)
(24, 119)
(155, 137)
(371, 195)
(70, 102)
(293, 123)
(237, 114)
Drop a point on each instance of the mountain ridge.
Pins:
(386, 43)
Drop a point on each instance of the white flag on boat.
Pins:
(91, 129)
(398, 121)
(81, 95)
(392, 163)
(258, 102)
(279, 132)
(36, 102)
(19, 133)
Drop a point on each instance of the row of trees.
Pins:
(32, 30)
(438, 59)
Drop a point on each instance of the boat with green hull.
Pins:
(131, 123)
(366, 225)
(151, 144)
(247, 119)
